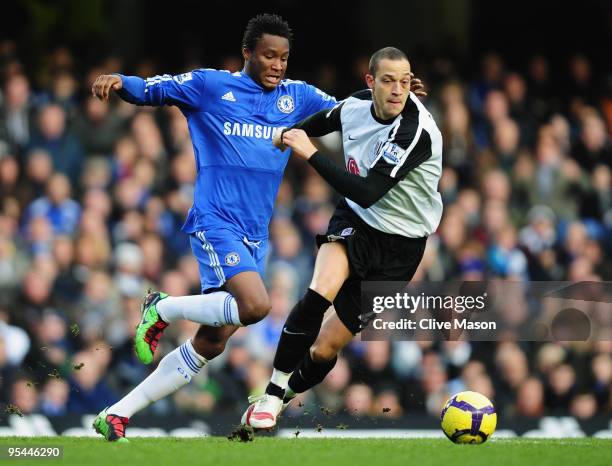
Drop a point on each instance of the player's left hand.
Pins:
(298, 141)
(417, 87)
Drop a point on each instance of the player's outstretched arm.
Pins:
(132, 89)
(365, 191)
(183, 90)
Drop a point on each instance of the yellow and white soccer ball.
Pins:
(468, 417)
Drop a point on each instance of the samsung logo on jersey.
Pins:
(248, 130)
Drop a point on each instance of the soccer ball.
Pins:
(468, 417)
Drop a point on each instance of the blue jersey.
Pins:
(231, 120)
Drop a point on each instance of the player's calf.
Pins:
(307, 375)
(324, 351)
(300, 331)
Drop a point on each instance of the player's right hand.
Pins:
(104, 83)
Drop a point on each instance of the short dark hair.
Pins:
(265, 24)
(390, 53)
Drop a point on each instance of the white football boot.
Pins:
(263, 411)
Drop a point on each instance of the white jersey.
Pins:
(409, 148)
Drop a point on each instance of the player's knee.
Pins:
(253, 309)
(326, 286)
(322, 352)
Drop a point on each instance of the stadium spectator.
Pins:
(53, 137)
(24, 395)
(330, 392)
(88, 388)
(359, 400)
(54, 397)
(97, 127)
(56, 206)
(530, 398)
(16, 124)
(15, 342)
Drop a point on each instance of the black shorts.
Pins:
(373, 256)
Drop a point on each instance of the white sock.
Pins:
(174, 370)
(280, 379)
(215, 309)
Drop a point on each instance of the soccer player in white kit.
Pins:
(393, 155)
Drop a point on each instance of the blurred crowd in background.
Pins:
(93, 195)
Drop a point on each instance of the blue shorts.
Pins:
(222, 253)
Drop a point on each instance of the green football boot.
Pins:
(150, 328)
(111, 427)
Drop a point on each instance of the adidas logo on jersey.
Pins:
(229, 96)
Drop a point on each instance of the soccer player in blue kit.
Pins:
(231, 118)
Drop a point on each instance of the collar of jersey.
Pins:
(255, 83)
(378, 119)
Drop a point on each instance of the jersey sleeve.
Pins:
(183, 90)
(408, 146)
(314, 100)
(323, 122)
(365, 191)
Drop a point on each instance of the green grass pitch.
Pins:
(218, 451)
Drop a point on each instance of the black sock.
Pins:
(310, 373)
(300, 331)
(273, 389)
